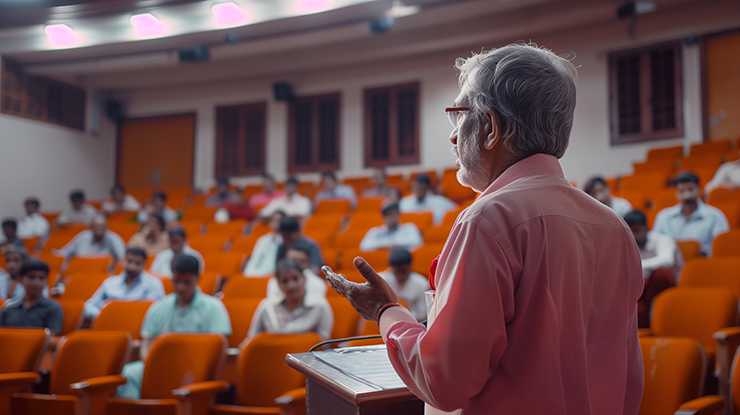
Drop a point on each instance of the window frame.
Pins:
(315, 165)
(242, 169)
(646, 134)
(394, 159)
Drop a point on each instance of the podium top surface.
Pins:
(357, 374)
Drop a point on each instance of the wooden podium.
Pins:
(353, 380)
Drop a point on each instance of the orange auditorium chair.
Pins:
(670, 153)
(665, 167)
(396, 180)
(689, 249)
(60, 237)
(455, 191)
(710, 147)
(349, 239)
(243, 287)
(369, 204)
(377, 259)
(646, 183)
(232, 229)
(167, 284)
(208, 243)
(674, 371)
(369, 328)
(54, 262)
(85, 374)
(199, 213)
(358, 183)
(714, 272)
(244, 245)
(87, 265)
(124, 229)
(723, 195)
(423, 256)
(731, 211)
(422, 220)
(192, 227)
(703, 161)
(179, 376)
(363, 221)
(123, 316)
(241, 311)
(231, 263)
(82, 286)
(259, 229)
(72, 315)
(727, 244)
(333, 206)
(346, 319)
(208, 282)
(21, 349)
(263, 375)
(31, 243)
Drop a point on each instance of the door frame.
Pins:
(155, 117)
(705, 79)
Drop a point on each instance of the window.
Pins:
(645, 94)
(392, 125)
(40, 98)
(313, 133)
(240, 139)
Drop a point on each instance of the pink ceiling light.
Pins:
(313, 6)
(229, 14)
(60, 34)
(147, 25)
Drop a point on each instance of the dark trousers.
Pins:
(659, 280)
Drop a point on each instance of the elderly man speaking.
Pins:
(537, 284)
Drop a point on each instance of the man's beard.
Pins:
(472, 170)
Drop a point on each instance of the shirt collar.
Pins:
(137, 278)
(698, 213)
(535, 165)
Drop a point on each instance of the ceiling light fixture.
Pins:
(398, 9)
(312, 6)
(60, 35)
(229, 14)
(147, 25)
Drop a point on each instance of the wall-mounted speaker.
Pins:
(283, 91)
(114, 110)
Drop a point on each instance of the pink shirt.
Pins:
(262, 199)
(535, 311)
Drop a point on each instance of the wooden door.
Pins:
(156, 152)
(723, 85)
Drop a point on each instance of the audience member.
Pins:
(422, 200)
(187, 310)
(33, 309)
(120, 202)
(331, 189)
(81, 212)
(392, 234)
(262, 261)
(269, 193)
(33, 225)
(315, 285)
(162, 264)
(380, 187)
(599, 190)
(159, 206)
(132, 284)
(691, 219)
(290, 230)
(292, 204)
(728, 176)
(11, 284)
(10, 235)
(394, 196)
(296, 311)
(152, 237)
(96, 241)
(661, 263)
(238, 208)
(408, 285)
(222, 195)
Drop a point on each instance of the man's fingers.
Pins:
(366, 270)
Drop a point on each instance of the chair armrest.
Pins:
(94, 384)
(93, 393)
(233, 351)
(706, 405)
(644, 332)
(18, 379)
(727, 340)
(295, 395)
(201, 389)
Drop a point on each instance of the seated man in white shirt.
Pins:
(81, 212)
(331, 189)
(262, 261)
(661, 263)
(315, 285)
(728, 176)
(392, 234)
(599, 190)
(95, 242)
(292, 204)
(408, 285)
(691, 219)
(131, 285)
(162, 264)
(120, 202)
(33, 225)
(423, 200)
(380, 185)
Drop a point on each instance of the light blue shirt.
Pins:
(205, 314)
(438, 205)
(406, 235)
(702, 226)
(341, 191)
(264, 256)
(143, 287)
(84, 245)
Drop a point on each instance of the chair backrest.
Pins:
(346, 319)
(674, 370)
(244, 245)
(694, 312)
(369, 328)
(82, 286)
(243, 287)
(731, 211)
(87, 265)
(208, 281)
(689, 249)
(670, 153)
(710, 147)
(233, 228)
(179, 359)
(263, 373)
(86, 354)
(723, 195)
(645, 182)
(241, 311)
(199, 213)
(72, 314)
(727, 244)
(224, 263)
(333, 206)
(21, 348)
(377, 259)
(422, 258)
(422, 220)
(124, 316)
(715, 272)
(369, 204)
(208, 243)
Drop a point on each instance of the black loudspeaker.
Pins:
(283, 91)
(114, 110)
(194, 54)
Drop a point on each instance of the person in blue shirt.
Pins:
(331, 189)
(132, 284)
(424, 200)
(11, 283)
(9, 236)
(691, 219)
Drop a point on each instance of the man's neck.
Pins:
(97, 239)
(182, 302)
(689, 208)
(130, 278)
(293, 304)
(392, 228)
(29, 301)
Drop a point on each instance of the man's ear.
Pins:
(491, 130)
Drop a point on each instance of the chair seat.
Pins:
(31, 403)
(232, 409)
(121, 406)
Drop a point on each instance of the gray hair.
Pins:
(531, 90)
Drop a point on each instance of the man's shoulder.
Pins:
(150, 279)
(50, 304)
(12, 303)
(669, 211)
(711, 210)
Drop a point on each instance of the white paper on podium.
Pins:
(369, 365)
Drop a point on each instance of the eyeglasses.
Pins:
(453, 114)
